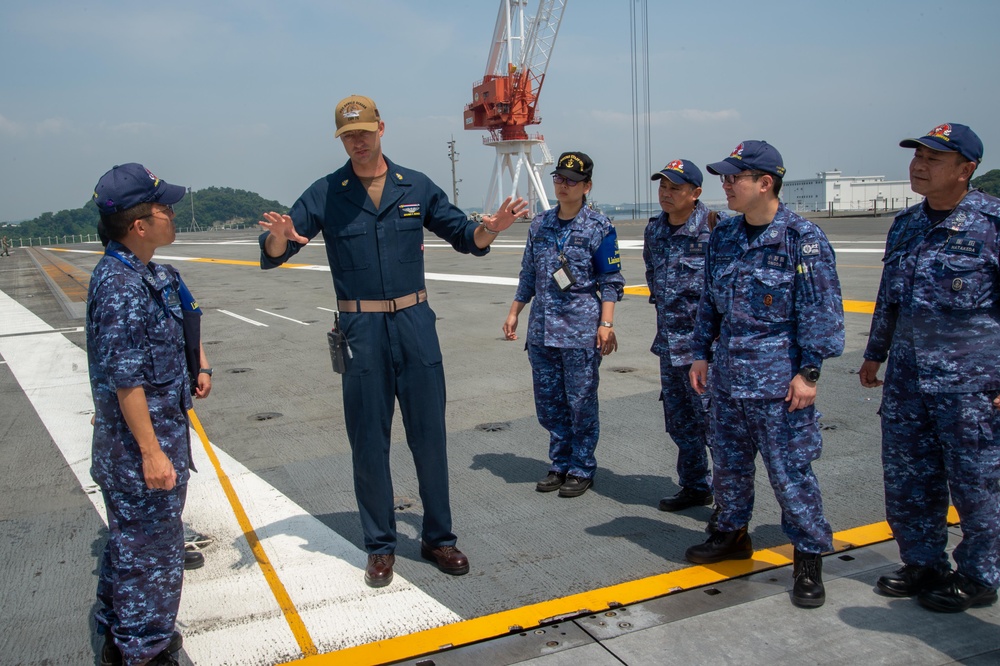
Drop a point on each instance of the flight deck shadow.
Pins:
(963, 637)
(346, 526)
(635, 489)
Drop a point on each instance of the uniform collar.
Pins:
(696, 222)
(153, 274)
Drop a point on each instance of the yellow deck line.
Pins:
(291, 614)
(584, 603)
(859, 307)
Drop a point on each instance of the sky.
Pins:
(241, 94)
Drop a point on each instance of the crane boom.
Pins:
(505, 101)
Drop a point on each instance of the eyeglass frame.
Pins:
(167, 209)
(731, 178)
(563, 180)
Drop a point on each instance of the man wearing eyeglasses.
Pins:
(141, 456)
(772, 300)
(674, 245)
(937, 323)
(372, 214)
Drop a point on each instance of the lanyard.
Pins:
(162, 297)
(561, 242)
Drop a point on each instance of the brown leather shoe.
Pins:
(448, 558)
(378, 573)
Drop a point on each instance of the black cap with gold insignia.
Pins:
(575, 166)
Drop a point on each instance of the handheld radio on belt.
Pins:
(340, 351)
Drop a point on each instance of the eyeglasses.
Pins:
(562, 180)
(166, 210)
(731, 178)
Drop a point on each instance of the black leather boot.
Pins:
(722, 546)
(808, 591)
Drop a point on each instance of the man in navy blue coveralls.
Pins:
(772, 299)
(141, 450)
(372, 214)
(937, 322)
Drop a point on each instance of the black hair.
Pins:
(116, 225)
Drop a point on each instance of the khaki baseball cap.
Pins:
(356, 113)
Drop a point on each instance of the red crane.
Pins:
(505, 101)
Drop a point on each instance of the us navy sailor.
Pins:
(372, 214)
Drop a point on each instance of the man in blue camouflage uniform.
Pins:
(674, 245)
(937, 322)
(141, 450)
(772, 299)
(372, 214)
(572, 270)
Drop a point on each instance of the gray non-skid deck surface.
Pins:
(750, 621)
(525, 547)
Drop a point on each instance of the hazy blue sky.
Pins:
(241, 94)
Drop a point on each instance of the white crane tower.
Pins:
(505, 101)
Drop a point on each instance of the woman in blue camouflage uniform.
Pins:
(572, 269)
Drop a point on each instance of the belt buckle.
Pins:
(392, 305)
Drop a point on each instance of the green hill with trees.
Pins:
(989, 182)
(214, 207)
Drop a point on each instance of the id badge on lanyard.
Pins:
(563, 276)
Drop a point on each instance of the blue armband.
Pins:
(606, 259)
(188, 303)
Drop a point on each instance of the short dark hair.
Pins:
(116, 225)
(775, 181)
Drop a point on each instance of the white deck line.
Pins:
(228, 614)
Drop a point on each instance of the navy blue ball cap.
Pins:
(680, 172)
(951, 137)
(131, 184)
(750, 156)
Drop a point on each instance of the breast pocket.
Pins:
(351, 247)
(962, 282)
(410, 238)
(771, 295)
(166, 356)
(895, 269)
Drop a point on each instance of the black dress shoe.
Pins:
(551, 482)
(722, 546)
(957, 593)
(808, 591)
(685, 499)
(908, 580)
(378, 573)
(575, 486)
(447, 558)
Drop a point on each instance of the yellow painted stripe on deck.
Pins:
(242, 262)
(859, 307)
(291, 614)
(594, 601)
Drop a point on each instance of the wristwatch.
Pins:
(205, 371)
(607, 324)
(810, 373)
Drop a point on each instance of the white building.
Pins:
(831, 190)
